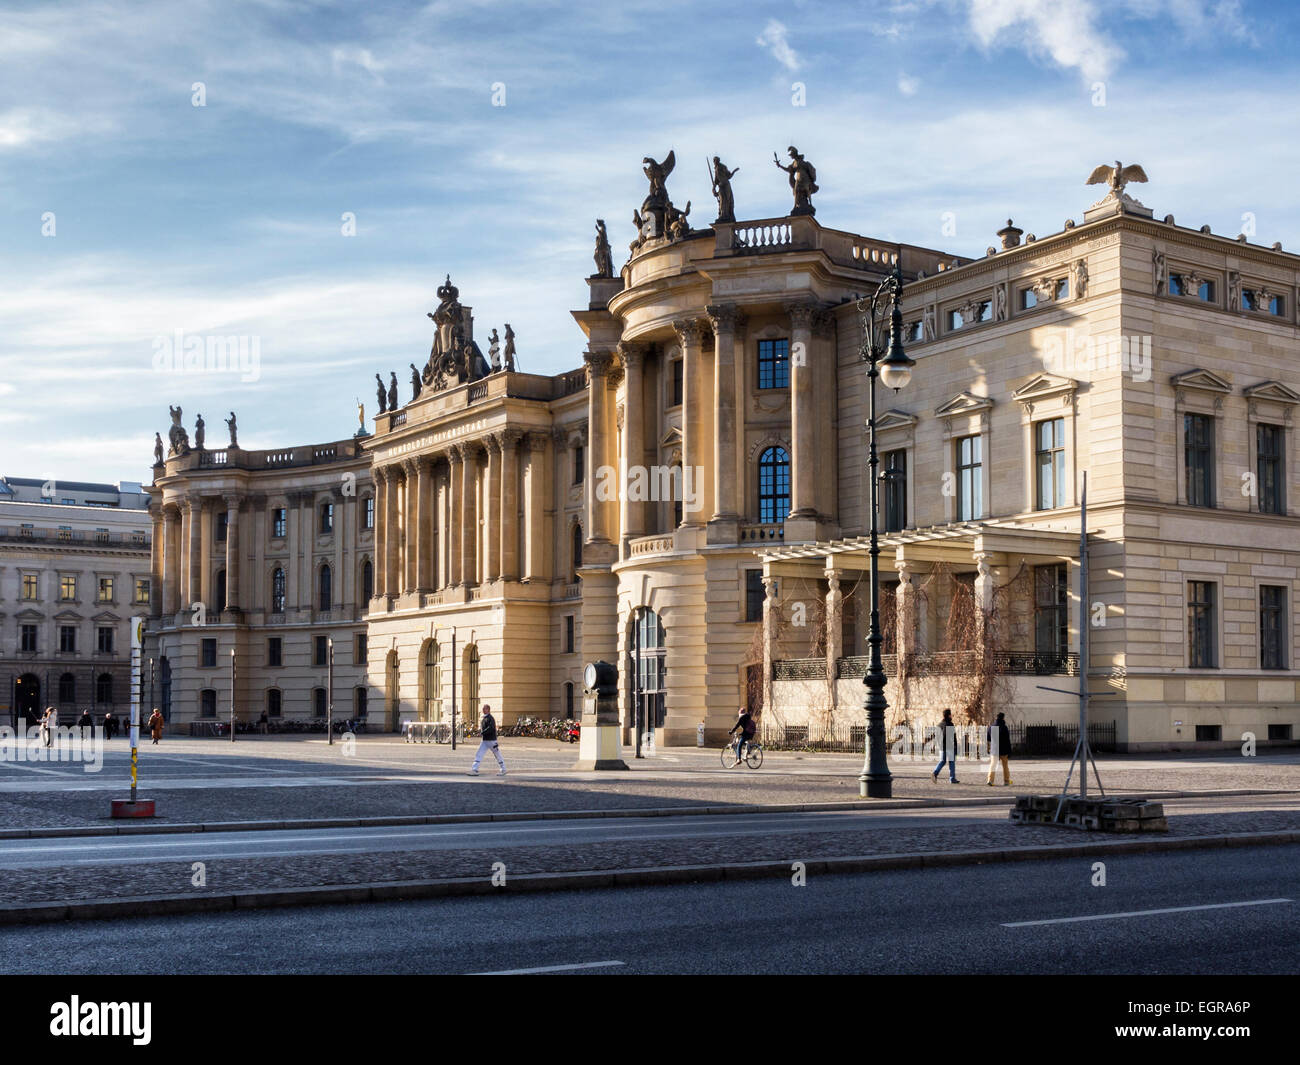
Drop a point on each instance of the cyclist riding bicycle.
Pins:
(745, 722)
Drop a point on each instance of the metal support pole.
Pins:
(232, 695)
(453, 687)
(329, 689)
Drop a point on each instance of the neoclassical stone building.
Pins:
(691, 502)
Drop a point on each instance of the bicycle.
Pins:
(753, 755)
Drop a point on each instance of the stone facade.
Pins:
(693, 498)
(74, 569)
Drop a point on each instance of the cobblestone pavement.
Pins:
(234, 875)
(297, 778)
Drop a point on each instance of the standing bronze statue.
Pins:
(510, 349)
(199, 433)
(392, 390)
(604, 261)
(157, 449)
(722, 190)
(234, 430)
(803, 180)
(379, 383)
(415, 383)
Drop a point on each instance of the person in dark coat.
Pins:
(84, 722)
(488, 742)
(156, 725)
(998, 737)
(947, 737)
(110, 725)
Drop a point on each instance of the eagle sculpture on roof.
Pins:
(1117, 176)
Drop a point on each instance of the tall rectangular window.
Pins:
(895, 490)
(1202, 634)
(1269, 468)
(774, 364)
(970, 478)
(68, 639)
(275, 651)
(370, 513)
(754, 595)
(222, 526)
(279, 523)
(327, 517)
(1049, 460)
(1198, 458)
(321, 646)
(568, 633)
(360, 653)
(142, 589)
(208, 654)
(208, 702)
(675, 394)
(105, 635)
(67, 587)
(579, 463)
(27, 638)
(31, 586)
(105, 590)
(1272, 626)
(1051, 612)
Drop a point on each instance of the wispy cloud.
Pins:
(1063, 31)
(775, 38)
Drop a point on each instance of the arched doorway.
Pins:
(647, 672)
(392, 678)
(469, 686)
(430, 681)
(27, 698)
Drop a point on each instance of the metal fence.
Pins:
(1027, 740)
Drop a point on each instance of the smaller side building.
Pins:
(74, 570)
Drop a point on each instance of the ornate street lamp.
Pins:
(895, 370)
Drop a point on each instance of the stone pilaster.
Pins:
(599, 449)
(509, 566)
(233, 504)
(634, 519)
(536, 535)
(689, 334)
(455, 512)
(728, 324)
(424, 533)
(392, 534)
(469, 514)
(803, 456)
(492, 509)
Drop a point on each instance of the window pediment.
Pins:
(1201, 379)
(964, 403)
(1274, 391)
(893, 419)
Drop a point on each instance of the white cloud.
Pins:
(907, 85)
(773, 38)
(1060, 30)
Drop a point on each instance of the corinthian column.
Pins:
(381, 531)
(537, 539)
(689, 335)
(410, 524)
(455, 497)
(171, 568)
(727, 322)
(157, 557)
(510, 504)
(392, 534)
(633, 433)
(492, 509)
(232, 552)
(469, 531)
(598, 451)
(194, 521)
(424, 505)
(802, 427)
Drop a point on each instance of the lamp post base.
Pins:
(127, 808)
(870, 787)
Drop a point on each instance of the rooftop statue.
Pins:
(604, 261)
(510, 349)
(177, 438)
(722, 190)
(655, 207)
(454, 358)
(233, 426)
(382, 393)
(494, 350)
(803, 180)
(392, 390)
(1116, 177)
(199, 433)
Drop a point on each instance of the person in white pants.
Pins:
(488, 743)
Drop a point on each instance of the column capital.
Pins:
(632, 353)
(561, 437)
(233, 501)
(455, 454)
(511, 436)
(823, 323)
(537, 441)
(598, 362)
(801, 314)
(493, 443)
(688, 330)
(725, 318)
(410, 467)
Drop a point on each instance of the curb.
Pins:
(145, 828)
(393, 891)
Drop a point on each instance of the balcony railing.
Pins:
(649, 545)
(771, 533)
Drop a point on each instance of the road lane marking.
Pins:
(1145, 913)
(552, 968)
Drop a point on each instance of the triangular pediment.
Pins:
(964, 403)
(1044, 384)
(672, 438)
(67, 615)
(30, 614)
(106, 615)
(1272, 390)
(1203, 379)
(894, 419)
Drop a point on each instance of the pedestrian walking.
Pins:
(85, 722)
(49, 722)
(998, 737)
(110, 725)
(156, 725)
(947, 748)
(263, 723)
(488, 742)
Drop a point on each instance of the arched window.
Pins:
(104, 688)
(208, 702)
(274, 702)
(470, 684)
(325, 589)
(575, 551)
(277, 591)
(219, 600)
(367, 581)
(67, 688)
(773, 486)
(431, 682)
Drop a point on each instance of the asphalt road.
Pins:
(1224, 912)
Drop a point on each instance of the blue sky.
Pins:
(226, 219)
